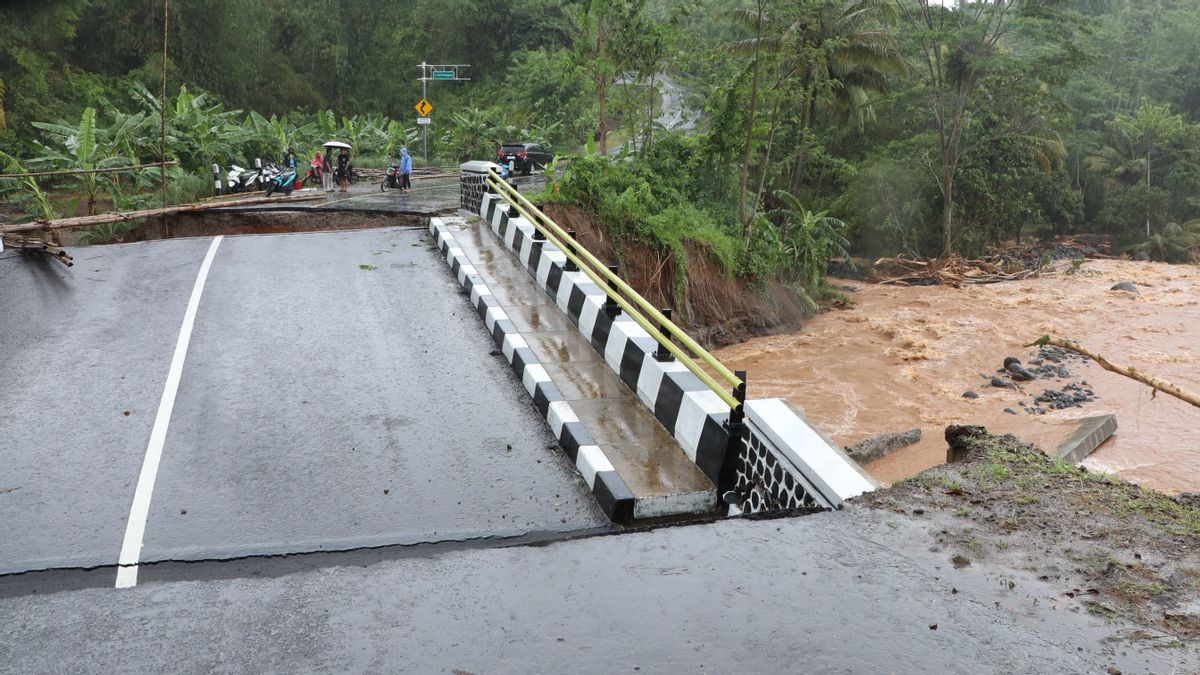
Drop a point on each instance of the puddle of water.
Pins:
(903, 356)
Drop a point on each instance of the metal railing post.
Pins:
(737, 415)
(512, 205)
(611, 308)
(662, 353)
(571, 266)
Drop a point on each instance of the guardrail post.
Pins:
(570, 266)
(512, 205)
(611, 308)
(662, 353)
(738, 415)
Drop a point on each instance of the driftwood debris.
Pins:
(951, 272)
(1147, 379)
(88, 221)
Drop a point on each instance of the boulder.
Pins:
(1127, 286)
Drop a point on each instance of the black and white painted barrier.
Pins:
(472, 182)
(610, 491)
(684, 405)
(778, 461)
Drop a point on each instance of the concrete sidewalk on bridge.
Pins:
(664, 481)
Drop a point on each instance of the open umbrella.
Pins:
(337, 144)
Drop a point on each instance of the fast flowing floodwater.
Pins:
(903, 356)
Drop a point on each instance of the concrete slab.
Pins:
(1088, 435)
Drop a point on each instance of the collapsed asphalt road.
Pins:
(338, 392)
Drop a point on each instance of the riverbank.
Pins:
(903, 357)
(1110, 548)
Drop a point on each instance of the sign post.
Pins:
(448, 73)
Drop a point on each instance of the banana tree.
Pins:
(79, 150)
(27, 189)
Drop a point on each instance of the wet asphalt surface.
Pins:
(353, 482)
(322, 405)
(838, 592)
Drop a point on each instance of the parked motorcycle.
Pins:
(280, 181)
(391, 179)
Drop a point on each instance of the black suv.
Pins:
(525, 157)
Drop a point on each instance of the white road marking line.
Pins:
(135, 528)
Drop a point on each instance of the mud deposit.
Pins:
(904, 357)
(1111, 548)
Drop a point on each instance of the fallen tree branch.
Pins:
(1155, 382)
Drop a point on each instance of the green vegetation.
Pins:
(821, 127)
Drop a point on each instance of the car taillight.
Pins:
(522, 154)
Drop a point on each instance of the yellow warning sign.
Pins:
(424, 107)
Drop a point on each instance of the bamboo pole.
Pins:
(162, 117)
(87, 221)
(1147, 379)
(67, 172)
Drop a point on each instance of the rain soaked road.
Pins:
(338, 392)
(841, 592)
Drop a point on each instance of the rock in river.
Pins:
(1126, 286)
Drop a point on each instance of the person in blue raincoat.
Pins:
(405, 170)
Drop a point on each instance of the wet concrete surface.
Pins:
(321, 406)
(648, 459)
(849, 591)
(83, 358)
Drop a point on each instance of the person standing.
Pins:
(343, 171)
(405, 170)
(327, 171)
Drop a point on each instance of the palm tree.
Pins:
(831, 56)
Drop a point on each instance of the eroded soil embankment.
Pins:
(1111, 547)
(717, 308)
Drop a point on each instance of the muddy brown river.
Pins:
(903, 356)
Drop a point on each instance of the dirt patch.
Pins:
(1113, 548)
(212, 223)
(717, 309)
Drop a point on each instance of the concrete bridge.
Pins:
(221, 397)
(404, 448)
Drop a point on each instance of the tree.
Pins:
(971, 57)
(605, 28)
(79, 150)
(1136, 138)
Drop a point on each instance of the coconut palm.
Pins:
(831, 56)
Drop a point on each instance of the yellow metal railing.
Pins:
(629, 300)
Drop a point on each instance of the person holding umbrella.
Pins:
(341, 174)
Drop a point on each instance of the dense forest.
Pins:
(878, 126)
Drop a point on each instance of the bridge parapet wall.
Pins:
(777, 460)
